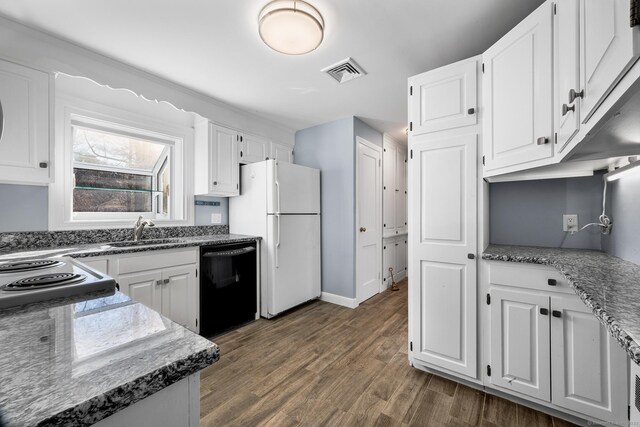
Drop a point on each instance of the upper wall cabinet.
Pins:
(394, 193)
(517, 87)
(443, 99)
(281, 152)
(24, 125)
(216, 160)
(252, 148)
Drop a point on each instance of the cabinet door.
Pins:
(520, 342)
(444, 98)
(400, 191)
(589, 368)
(253, 148)
(517, 83)
(24, 125)
(388, 260)
(281, 152)
(567, 71)
(223, 161)
(442, 279)
(179, 295)
(388, 189)
(609, 46)
(145, 288)
(401, 258)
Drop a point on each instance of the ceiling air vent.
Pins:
(345, 70)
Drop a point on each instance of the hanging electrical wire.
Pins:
(605, 222)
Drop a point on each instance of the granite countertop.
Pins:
(104, 248)
(607, 284)
(75, 361)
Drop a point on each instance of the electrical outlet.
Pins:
(570, 223)
(216, 218)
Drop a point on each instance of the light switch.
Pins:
(216, 218)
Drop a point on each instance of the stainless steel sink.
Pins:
(147, 242)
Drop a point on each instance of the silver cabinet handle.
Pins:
(566, 109)
(165, 281)
(573, 95)
(542, 140)
(1, 120)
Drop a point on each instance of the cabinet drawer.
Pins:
(529, 276)
(157, 260)
(98, 264)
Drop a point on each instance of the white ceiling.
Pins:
(213, 47)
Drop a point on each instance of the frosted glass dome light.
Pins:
(291, 27)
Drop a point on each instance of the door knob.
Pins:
(573, 95)
(566, 109)
(363, 229)
(542, 140)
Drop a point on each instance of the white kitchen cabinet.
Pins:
(608, 47)
(281, 152)
(394, 188)
(445, 98)
(394, 255)
(588, 366)
(165, 281)
(252, 148)
(520, 342)
(518, 96)
(25, 155)
(442, 239)
(216, 160)
(546, 345)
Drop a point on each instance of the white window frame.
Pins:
(71, 111)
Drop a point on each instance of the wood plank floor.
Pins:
(328, 365)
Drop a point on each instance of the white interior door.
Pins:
(368, 220)
(609, 46)
(389, 185)
(520, 342)
(294, 261)
(444, 98)
(442, 276)
(518, 120)
(589, 369)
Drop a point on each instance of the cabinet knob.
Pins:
(573, 95)
(552, 282)
(165, 281)
(544, 311)
(556, 313)
(43, 165)
(542, 140)
(159, 282)
(471, 111)
(566, 109)
(240, 153)
(471, 256)
(215, 182)
(363, 229)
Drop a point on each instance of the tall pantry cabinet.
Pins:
(445, 204)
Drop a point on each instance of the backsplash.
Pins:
(10, 242)
(623, 207)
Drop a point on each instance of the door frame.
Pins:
(378, 192)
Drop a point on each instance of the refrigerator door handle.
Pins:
(277, 182)
(277, 239)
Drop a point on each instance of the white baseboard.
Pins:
(338, 300)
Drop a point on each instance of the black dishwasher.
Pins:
(228, 293)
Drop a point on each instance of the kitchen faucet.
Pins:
(138, 227)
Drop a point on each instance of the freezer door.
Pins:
(292, 188)
(294, 261)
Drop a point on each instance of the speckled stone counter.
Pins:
(75, 362)
(103, 247)
(610, 286)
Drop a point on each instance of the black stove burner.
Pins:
(20, 266)
(44, 281)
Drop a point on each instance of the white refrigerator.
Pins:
(280, 202)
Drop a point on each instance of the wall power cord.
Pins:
(605, 222)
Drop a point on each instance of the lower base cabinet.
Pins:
(549, 346)
(394, 255)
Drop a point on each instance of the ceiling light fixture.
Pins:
(290, 26)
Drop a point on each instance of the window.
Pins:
(117, 172)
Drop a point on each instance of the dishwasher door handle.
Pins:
(232, 252)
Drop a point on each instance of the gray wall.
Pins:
(330, 148)
(24, 208)
(365, 131)
(623, 207)
(203, 213)
(530, 212)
